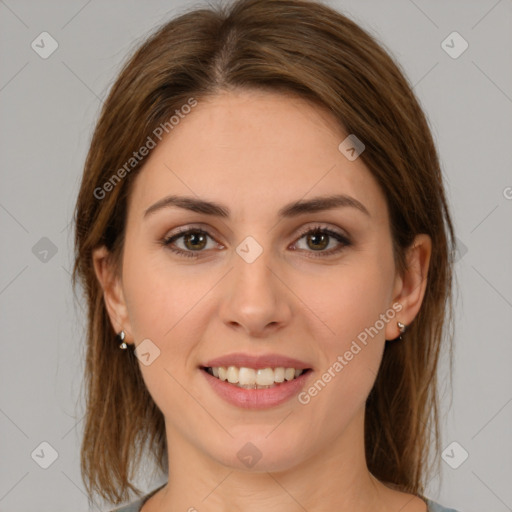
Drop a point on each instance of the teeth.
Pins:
(246, 376)
(279, 374)
(264, 376)
(251, 378)
(289, 373)
(232, 374)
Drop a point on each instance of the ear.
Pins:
(409, 289)
(112, 292)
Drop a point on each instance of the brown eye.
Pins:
(318, 240)
(194, 240)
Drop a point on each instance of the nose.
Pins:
(255, 298)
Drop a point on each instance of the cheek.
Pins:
(349, 300)
(160, 307)
(167, 306)
(352, 304)
(158, 296)
(352, 356)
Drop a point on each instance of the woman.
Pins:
(262, 223)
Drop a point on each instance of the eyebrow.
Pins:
(294, 209)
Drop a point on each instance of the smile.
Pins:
(252, 378)
(255, 396)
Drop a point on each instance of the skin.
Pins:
(254, 152)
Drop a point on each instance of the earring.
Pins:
(121, 336)
(402, 328)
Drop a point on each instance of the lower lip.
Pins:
(256, 398)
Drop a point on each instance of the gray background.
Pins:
(48, 108)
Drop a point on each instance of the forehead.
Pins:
(254, 149)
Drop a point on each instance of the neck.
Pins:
(333, 478)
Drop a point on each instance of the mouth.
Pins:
(255, 378)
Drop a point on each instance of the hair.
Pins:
(295, 47)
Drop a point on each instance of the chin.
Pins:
(255, 450)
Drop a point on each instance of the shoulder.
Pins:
(436, 507)
(135, 506)
(131, 507)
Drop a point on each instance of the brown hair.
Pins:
(297, 47)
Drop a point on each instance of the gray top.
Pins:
(137, 505)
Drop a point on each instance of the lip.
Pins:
(256, 398)
(240, 359)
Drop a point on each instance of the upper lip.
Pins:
(239, 359)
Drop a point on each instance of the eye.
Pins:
(194, 239)
(319, 237)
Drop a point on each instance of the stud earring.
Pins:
(402, 328)
(121, 336)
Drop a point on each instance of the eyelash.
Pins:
(167, 242)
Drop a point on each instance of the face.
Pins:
(254, 286)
